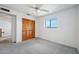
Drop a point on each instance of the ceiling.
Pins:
(24, 8)
(5, 17)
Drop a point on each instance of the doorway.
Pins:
(28, 29)
(7, 28)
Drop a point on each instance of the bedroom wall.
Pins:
(66, 31)
(78, 29)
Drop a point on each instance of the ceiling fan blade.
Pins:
(43, 10)
(39, 9)
(28, 14)
(31, 7)
(39, 5)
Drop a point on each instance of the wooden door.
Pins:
(0, 32)
(28, 29)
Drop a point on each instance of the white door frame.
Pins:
(13, 26)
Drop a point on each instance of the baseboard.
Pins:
(58, 43)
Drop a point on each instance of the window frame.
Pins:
(50, 23)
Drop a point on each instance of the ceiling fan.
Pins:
(37, 7)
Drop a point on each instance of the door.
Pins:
(0, 32)
(28, 29)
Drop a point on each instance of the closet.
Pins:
(28, 29)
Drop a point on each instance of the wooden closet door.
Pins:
(28, 29)
(24, 29)
(32, 29)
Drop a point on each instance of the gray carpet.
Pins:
(36, 46)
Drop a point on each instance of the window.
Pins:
(47, 23)
(52, 23)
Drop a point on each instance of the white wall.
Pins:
(19, 17)
(78, 29)
(66, 31)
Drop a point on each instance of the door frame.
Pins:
(13, 26)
